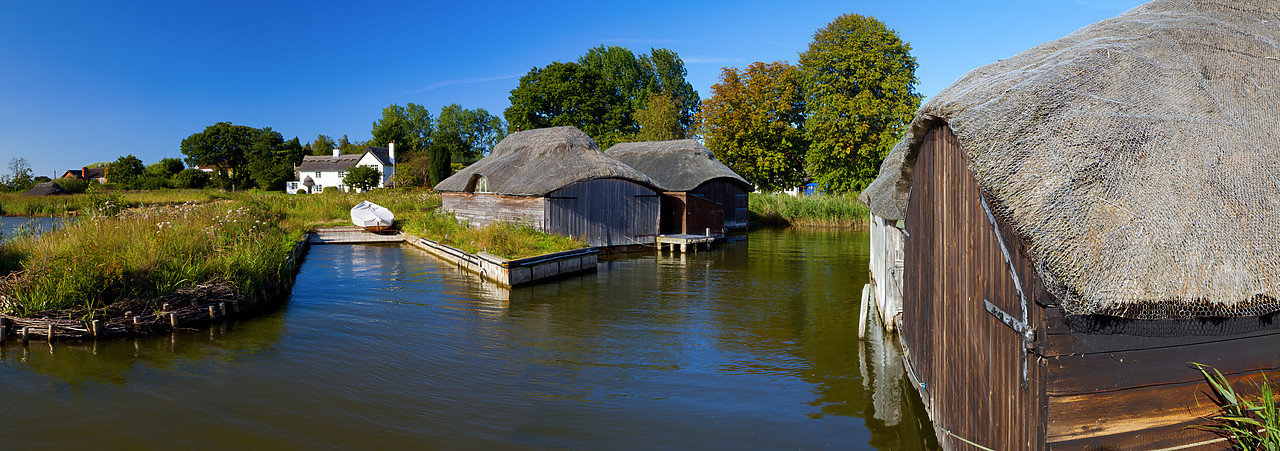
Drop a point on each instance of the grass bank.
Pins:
(133, 246)
(782, 210)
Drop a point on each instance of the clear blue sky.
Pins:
(88, 81)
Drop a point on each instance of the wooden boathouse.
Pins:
(701, 192)
(558, 181)
(1082, 221)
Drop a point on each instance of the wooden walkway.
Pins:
(684, 240)
(352, 235)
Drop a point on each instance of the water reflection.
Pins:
(14, 226)
(750, 345)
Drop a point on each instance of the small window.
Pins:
(342, 174)
(317, 174)
(478, 184)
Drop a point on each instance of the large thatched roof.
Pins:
(679, 165)
(1138, 157)
(537, 162)
(46, 189)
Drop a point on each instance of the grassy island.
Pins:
(134, 249)
(782, 210)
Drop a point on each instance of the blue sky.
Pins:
(88, 81)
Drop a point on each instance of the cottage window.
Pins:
(477, 184)
(342, 174)
(317, 174)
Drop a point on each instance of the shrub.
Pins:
(72, 185)
(331, 190)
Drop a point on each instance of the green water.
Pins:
(752, 345)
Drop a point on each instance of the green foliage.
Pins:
(504, 239)
(243, 156)
(331, 190)
(859, 80)
(782, 210)
(1252, 424)
(636, 78)
(569, 94)
(409, 127)
(19, 177)
(165, 168)
(478, 130)
(754, 123)
(659, 120)
(191, 178)
(126, 171)
(323, 145)
(362, 178)
(72, 185)
(440, 155)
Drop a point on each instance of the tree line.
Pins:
(831, 118)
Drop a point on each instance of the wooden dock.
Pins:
(684, 240)
(352, 235)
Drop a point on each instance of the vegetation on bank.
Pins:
(504, 239)
(1247, 423)
(141, 245)
(783, 210)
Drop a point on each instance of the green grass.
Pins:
(143, 245)
(1249, 423)
(15, 204)
(504, 239)
(782, 210)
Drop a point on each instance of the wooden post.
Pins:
(862, 311)
(135, 320)
(212, 312)
(50, 332)
(25, 331)
(2, 332)
(164, 307)
(173, 320)
(222, 309)
(97, 324)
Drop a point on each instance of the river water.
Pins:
(752, 345)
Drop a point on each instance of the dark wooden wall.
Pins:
(729, 195)
(480, 209)
(604, 212)
(969, 363)
(687, 213)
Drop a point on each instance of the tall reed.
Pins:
(782, 210)
(1251, 424)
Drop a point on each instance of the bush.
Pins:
(302, 191)
(191, 179)
(331, 190)
(72, 185)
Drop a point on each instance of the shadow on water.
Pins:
(750, 345)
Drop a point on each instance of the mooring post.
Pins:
(97, 323)
(25, 332)
(50, 332)
(212, 312)
(135, 321)
(173, 320)
(222, 309)
(862, 311)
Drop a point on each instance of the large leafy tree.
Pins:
(126, 171)
(19, 176)
(754, 122)
(478, 130)
(362, 177)
(408, 126)
(659, 120)
(859, 79)
(669, 79)
(244, 156)
(635, 78)
(568, 94)
(322, 145)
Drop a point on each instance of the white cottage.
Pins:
(317, 172)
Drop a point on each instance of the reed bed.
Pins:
(14, 204)
(783, 210)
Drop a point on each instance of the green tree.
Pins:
(659, 120)
(225, 146)
(409, 127)
(362, 178)
(859, 80)
(754, 123)
(126, 172)
(323, 145)
(568, 94)
(191, 178)
(72, 184)
(478, 130)
(165, 168)
(669, 79)
(19, 177)
(636, 78)
(442, 149)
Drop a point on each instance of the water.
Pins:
(11, 226)
(752, 345)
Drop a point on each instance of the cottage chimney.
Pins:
(336, 152)
(391, 152)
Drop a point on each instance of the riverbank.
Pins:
(783, 210)
(157, 266)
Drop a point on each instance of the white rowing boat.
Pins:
(371, 216)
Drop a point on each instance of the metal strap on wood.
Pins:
(1023, 328)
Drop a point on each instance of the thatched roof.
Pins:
(537, 162)
(1138, 157)
(46, 189)
(329, 163)
(679, 165)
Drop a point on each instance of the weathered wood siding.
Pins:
(969, 363)
(731, 197)
(686, 213)
(604, 212)
(1115, 383)
(480, 209)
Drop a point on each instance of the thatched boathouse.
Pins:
(1082, 220)
(701, 192)
(558, 181)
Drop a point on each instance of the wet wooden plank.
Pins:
(1179, 434)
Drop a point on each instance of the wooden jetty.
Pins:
(352, 235)
(684, 241)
